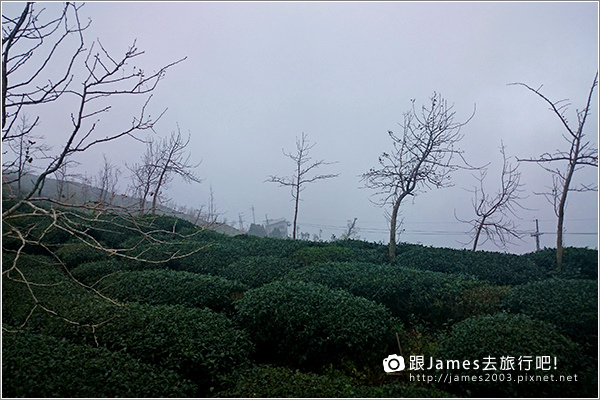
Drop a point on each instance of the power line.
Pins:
(427, 232)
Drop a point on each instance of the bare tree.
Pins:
(44, 61)
(351, 229)
(493, 212)
(162, 161)
(20, 153)
(104, 77)
(172, 160)
(304, 166)
(580, 153)
(61, 175)
(422, 157)
(144, 175)
(212, 214)
(107, 180)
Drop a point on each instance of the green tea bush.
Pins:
(510, 335)
(37, 227)
(578, 263)
(484, 299)
(76, 253)
(497, 268)
(42, 366)
(429, 297)
(168, 224)
(371, 281)
(31, 263)
(399, 391)
(46, 277)
(282, 382)
(255, 271)
(339, 251)
(569, 304)
(313, 255)
(310, 325)
(267, 246)
(210, 259)
(362, 245)
(200, 344)
(375, 253)
(94, 272)
(155, 286)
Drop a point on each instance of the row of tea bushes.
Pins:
(282, 382)
(308, 325)
(569, 304)
(199, 344)
(496, 268)
(416, 296)
(491, 337)
(162, 286)
(36, 365)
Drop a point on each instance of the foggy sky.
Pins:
(257, 75)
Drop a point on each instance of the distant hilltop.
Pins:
(72, 192)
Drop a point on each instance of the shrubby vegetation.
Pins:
(255, 271)
(577, 263)
(496, 268)
(172, 287)
(337, 252)
(569, 304)
(261, 317)
(42, 366)
(427, 297)
(514, 335)
(283, 382)
(303, 324)
(74, 254)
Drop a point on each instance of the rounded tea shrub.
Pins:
(425, 296)
(74, 254)
(210, 259)
(313, 255)
(399, 391)
(569, 304)
(485, 340)
(267, 246)
(93, 272)
(255, 271)
(282, 382)
(42, 366)
(200, 344)
(497, 268)
(155, 286)
(577, 262)
(306, 324)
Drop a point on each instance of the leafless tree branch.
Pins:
(580, 153)
(46, 60)
(423, 157)
(304, 166)
(493, 212)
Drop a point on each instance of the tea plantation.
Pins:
(261, 317)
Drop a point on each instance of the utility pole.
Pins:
(241, 222)
(537, 235)
(267, 224)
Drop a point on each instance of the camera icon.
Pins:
(393, 363)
